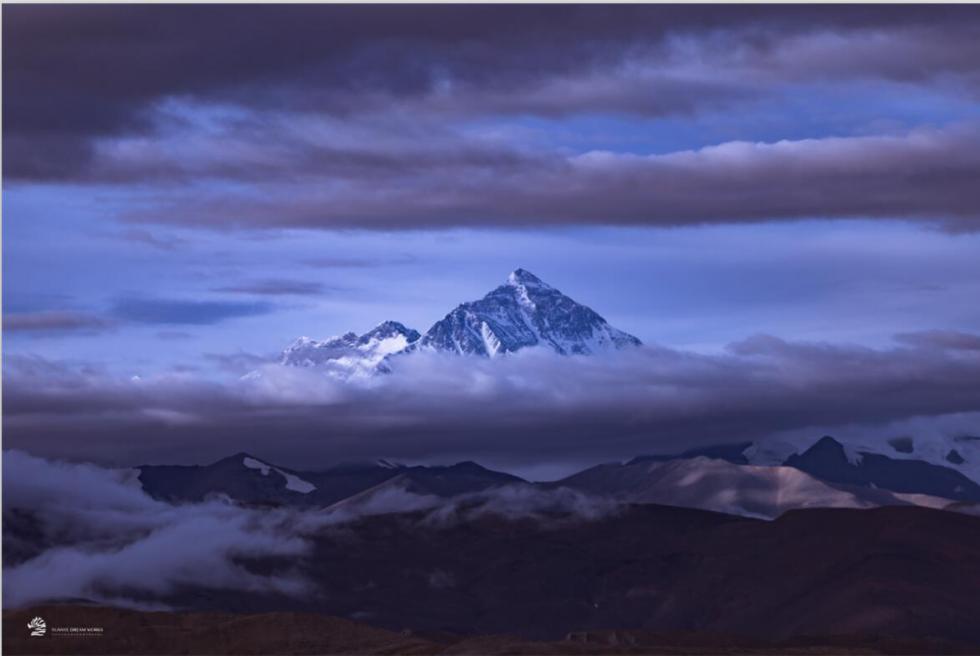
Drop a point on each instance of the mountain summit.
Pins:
(523, 312)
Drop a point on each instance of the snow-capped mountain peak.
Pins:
(523, 312)
(389, 330)
(524, 278)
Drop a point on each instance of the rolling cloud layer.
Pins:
(521, 409)
(363, 117)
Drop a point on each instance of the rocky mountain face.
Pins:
(828, 460)
(524, 312)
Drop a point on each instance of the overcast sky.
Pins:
(189, 188)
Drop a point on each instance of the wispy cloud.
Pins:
(943, 339)
(240, 362)
(276, 287)
(338, 262)
(55, 323)
(164, 243)
(185, 312)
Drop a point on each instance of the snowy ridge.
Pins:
(353, 353)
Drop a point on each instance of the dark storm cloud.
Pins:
(46, 323)
(188, 312)
(73, 74)
(524, 409)
(926, 174)
(276, 287)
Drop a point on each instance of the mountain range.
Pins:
(714, 478)
(697, 544)
(523, 312)
(247, 479)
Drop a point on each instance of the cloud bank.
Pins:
(529, 408)
(383, 118)
(926, 174)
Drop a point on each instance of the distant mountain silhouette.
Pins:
(828, 460)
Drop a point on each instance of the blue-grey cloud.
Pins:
(944, 339)
(240, 362)
(185, 312)
(54, 323)
(173, 335)
(335, 262)
(924, 174)
(164, 243)
(652, 60)
(524, 409)
(276, 287)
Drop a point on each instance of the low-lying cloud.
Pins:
(527, 408)
(100, 537)
(80, 531)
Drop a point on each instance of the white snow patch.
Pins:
(297, 484)
(293, 482)
(252, 463)
(490, 341)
